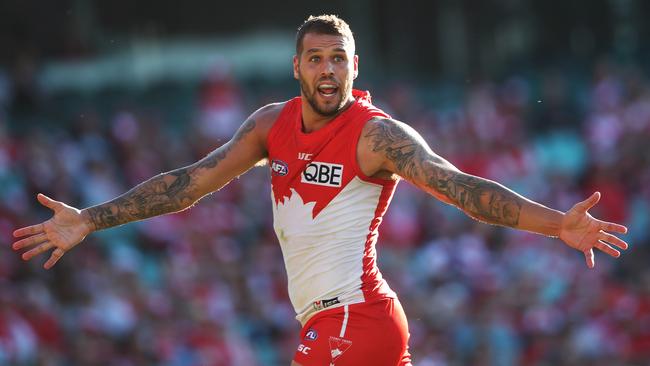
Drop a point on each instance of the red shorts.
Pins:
(374, 333)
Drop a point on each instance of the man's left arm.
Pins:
(391, 146)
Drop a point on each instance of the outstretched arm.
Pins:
(165, 193)
(179, 189)
(392, 146)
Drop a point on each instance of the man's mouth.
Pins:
(327, 89)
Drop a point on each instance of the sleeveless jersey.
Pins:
(326, 212)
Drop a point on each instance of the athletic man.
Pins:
(334, 162)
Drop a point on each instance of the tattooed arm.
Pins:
(405, 153)
(165, 193)
(390, 147)
(181, 188)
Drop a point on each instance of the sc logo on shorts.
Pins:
(303, 349)
(323, 174)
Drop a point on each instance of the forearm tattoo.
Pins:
(480, 198)
(164, 193)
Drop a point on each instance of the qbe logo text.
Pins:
(323, 174)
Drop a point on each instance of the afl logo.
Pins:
(311, 335)
(279, 167)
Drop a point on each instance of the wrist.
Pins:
(556, 229)
(87, 221)
(541, 220)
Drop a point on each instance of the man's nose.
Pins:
(328, 68)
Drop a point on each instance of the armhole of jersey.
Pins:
(353, 153)
(276, 124)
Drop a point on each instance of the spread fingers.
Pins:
(38, 250)
(28, 242)
(606, 248)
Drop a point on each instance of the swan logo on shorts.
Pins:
(279, 167)
(337, 347)
(311, 335)
(323, 174)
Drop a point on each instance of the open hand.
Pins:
(583, 232)
(62, 232)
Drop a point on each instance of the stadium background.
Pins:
(551, 98)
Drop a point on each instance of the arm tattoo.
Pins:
(480, 198)
(164, 193)
(397, 145)
(161, 194)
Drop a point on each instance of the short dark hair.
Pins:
(323, 24)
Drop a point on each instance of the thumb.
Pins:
(589, 257)
(49, 203)
(590, 202)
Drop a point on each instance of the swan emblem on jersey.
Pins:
(293, 209)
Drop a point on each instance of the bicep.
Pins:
(399, 149)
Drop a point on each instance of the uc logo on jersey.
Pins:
(279, 167)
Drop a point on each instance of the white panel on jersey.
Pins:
(324, 255)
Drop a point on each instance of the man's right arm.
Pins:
(179, 189)
(165, 193)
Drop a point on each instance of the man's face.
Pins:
(325, 69)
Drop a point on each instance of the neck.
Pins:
(314, 121)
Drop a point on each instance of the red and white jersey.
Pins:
(326, 211)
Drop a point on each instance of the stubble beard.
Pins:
(334, 109)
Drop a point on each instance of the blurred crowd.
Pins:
(207, 286)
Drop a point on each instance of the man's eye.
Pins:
(339, 58)
(314, 59)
